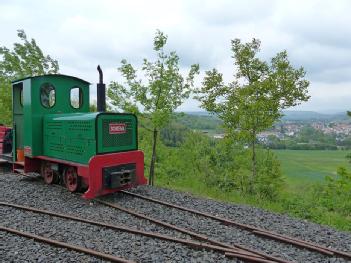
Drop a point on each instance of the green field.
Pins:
(309, 166)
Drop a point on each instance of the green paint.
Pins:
(17, 116)
(62, 131)
(116, 142)
(72, 136)
(34, 111)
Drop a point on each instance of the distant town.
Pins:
(306, 130)
(291, 129)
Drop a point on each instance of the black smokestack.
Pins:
(101, 92)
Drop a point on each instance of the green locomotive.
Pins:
(54, 134)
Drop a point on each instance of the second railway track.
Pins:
(253, 229)
(166, 216)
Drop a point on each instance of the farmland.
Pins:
(306, 166)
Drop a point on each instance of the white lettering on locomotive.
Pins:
(118, 128)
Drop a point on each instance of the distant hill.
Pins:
(294, 115)
(312, 116)
(198, 113)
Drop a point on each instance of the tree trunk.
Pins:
(153, 159)
(254, 163)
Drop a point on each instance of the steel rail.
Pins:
(197, 245)
(255, 230)
(242, 249)
(66, 245)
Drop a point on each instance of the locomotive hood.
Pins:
(77, 137)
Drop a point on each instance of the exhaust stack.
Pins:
(101, 92)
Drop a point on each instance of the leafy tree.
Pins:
(255, 99)
(26, 59)
(93, 107)
(308, 134)
(273, 142)
(198, 122)
(173, 134)
(163, 90)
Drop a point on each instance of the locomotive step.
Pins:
(19, 163)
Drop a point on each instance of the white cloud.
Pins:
(81, 34)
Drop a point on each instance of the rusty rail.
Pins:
(66, 245)
(228, 251)
(242, 249)
(255, 230)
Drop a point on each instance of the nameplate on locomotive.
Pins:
(117, 128)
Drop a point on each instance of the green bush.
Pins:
(335, 194)
(224, 166)
(269, 180)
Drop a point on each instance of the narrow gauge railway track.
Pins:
(228, 251)
(255, 230)
(56, 243)
(242, 249)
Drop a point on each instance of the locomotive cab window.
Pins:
(47, 95)
(76, 97)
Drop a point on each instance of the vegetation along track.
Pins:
(254, 230)
(229, 252)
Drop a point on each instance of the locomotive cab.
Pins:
(54, 134)
(36, 97)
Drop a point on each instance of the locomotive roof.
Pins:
(50, 75)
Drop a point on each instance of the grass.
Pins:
(302, 168)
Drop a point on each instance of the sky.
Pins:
(81, 34)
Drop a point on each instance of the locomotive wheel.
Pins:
(71, 179)
(50, 176)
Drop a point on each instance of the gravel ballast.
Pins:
(279, 223)
(33, 192)
(27, 250)
(216, 230)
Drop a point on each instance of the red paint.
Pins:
(69, 163)
(71, 179)
(48, 173)
(117, 128)
(106, 160)
(32, 165)
(91, 174)
(3, 130)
